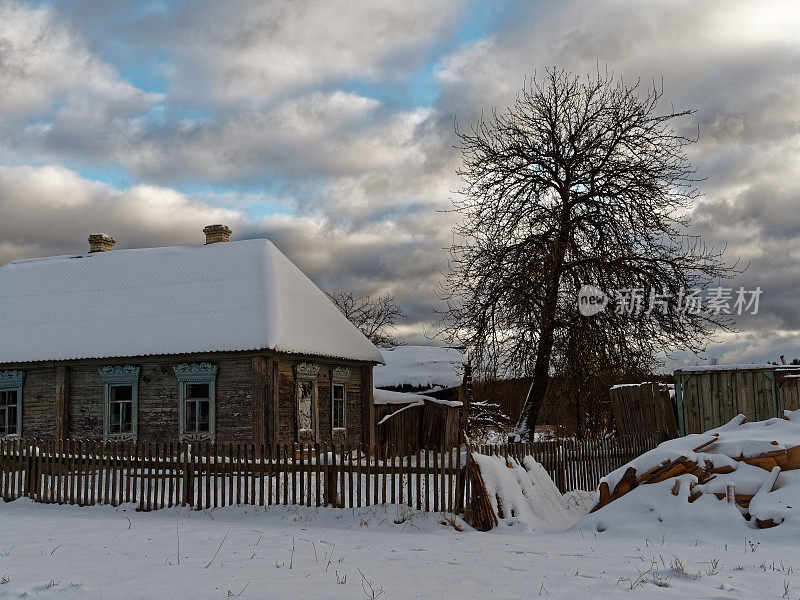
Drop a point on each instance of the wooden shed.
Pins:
(710, 396)
(415, 420)
(644, 408)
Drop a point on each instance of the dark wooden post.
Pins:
(331, 478)
(260, 387)
(465, 396)
(62, 403)
(367, 410)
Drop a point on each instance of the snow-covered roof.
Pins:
(388, 397)
(228, 296)
(733, 367)
(420, 366)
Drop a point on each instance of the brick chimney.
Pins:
(217, 233)
(100, 242)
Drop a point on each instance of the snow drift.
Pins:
(686, 482)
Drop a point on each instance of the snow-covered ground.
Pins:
(289, 552)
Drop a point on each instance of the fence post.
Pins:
(186, 493)
(467, 492)
(28, 450)
(561, 461)
(331, 480)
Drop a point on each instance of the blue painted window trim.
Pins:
(13, 380)
(188, 373)
(114, 375)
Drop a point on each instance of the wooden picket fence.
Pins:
(207, 476)
(577, 464)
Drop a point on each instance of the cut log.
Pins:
(765, 462)
(723, 470)
(626, 484)
(676, 487)
(653, 471)
(767, 523)
(792, 459)
(708, 443)
(742, 500)
(675, 470)
(605, 496)
(706, 478)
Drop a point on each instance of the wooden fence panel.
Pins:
(207, 476)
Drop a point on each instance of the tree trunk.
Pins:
(526, 426)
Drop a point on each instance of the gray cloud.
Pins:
(738, 64)
(260, 94)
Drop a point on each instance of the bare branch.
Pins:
(376, 317)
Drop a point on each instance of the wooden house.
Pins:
(227, 342)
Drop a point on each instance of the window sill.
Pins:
(340, 430)
(197, 437)
(11, 436)
(121, 437)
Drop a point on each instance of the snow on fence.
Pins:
(577, 464)
(205, 476)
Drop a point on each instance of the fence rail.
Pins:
(577, 464)
(205, 476)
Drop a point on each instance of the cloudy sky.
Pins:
(328, 128)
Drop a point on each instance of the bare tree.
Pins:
(376, 317)
(581, 181)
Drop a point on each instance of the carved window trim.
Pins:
(307, 373)
(189, 373)
(118, 375)
(339, 379)
(13, 380)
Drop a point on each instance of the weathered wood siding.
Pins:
(644, 408)
(709, 399)
(432, 424)
(287, 406)
(38, 409)
(71, 394)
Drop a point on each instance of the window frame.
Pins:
(197, 373)
(339, 378)
(307, 373)
(114, 376)
(13, 381)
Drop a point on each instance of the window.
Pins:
(305, 406)
(196, 396)
(9, 412)
(198, 399)
(120, 409)
(338, 405)
(339, 377)
(11, 403)
(121, 404)
(306, 400)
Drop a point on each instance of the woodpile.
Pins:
(704, 470)
(482, 515)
